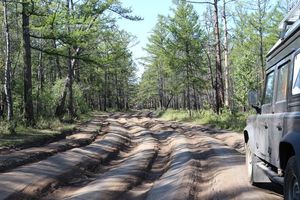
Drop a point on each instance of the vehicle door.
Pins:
(262, 141)
(292, 119)
(276, 119)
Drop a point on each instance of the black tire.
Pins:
(291, 181)
(250, 164)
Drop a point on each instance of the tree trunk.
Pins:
(226, 60)
(41, 79)
(71, 64)
(161, 94)
(41, 76)
(28, 105)
(2, 105)
(195, 98)
(7, 73)
(56, 66)
(211, 77)
(105, 89)
(219, 74)
(117, 92)
(188, 93)
(68, 87)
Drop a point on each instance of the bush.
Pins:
(80, 103)
(50, 96)
(7, 128)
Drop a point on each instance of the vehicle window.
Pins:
(282, 83)
(269, 88)
(296, 76)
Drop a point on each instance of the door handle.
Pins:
(279, 127)
(266, 126)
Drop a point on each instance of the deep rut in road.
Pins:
(136, 157)
(174, 165)
(214, 170)
(142, 173)
(124, 170)
(159, 166)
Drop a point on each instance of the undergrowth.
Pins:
(16, 133)
(227, 120)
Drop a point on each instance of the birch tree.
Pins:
(7, 76)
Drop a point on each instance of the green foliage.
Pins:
(175, 61)
(226, 120)
(26, 136)
(79, 100)
(55, 91)
(179, 66)
(46, 129)
(7, 128)
(254, 34)
(103, 67)
(84, 34)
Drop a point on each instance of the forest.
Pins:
(206, 64)
(60, 59)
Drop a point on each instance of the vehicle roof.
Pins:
(288, 26)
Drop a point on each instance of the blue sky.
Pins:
(149, 10)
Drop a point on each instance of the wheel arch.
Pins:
(249, 132)
(289, 146)
(246, 136)
(286, 150)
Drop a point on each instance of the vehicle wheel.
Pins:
(249, 162)
(291, 181)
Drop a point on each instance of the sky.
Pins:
(149, 10)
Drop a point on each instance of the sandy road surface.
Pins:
(137, 157)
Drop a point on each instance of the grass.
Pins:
(235, 122)
(45, 129)
(25, 136)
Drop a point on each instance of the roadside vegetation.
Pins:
(226, 120)
(210, 61)
(45, 130)
(62, 59)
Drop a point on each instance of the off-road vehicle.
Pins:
(272, 137)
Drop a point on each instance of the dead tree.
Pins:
(219, 85)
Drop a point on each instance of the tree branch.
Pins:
(199, 2)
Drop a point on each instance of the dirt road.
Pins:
(137, 157)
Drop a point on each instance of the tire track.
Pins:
(158, 168)
(140, 158)
(86, 134)
(177, 181)
(29, 181)
(139, 140)
(224, 175)
(122, 174)
(173, 172)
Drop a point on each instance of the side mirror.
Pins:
(252, 97)
(253, 101)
